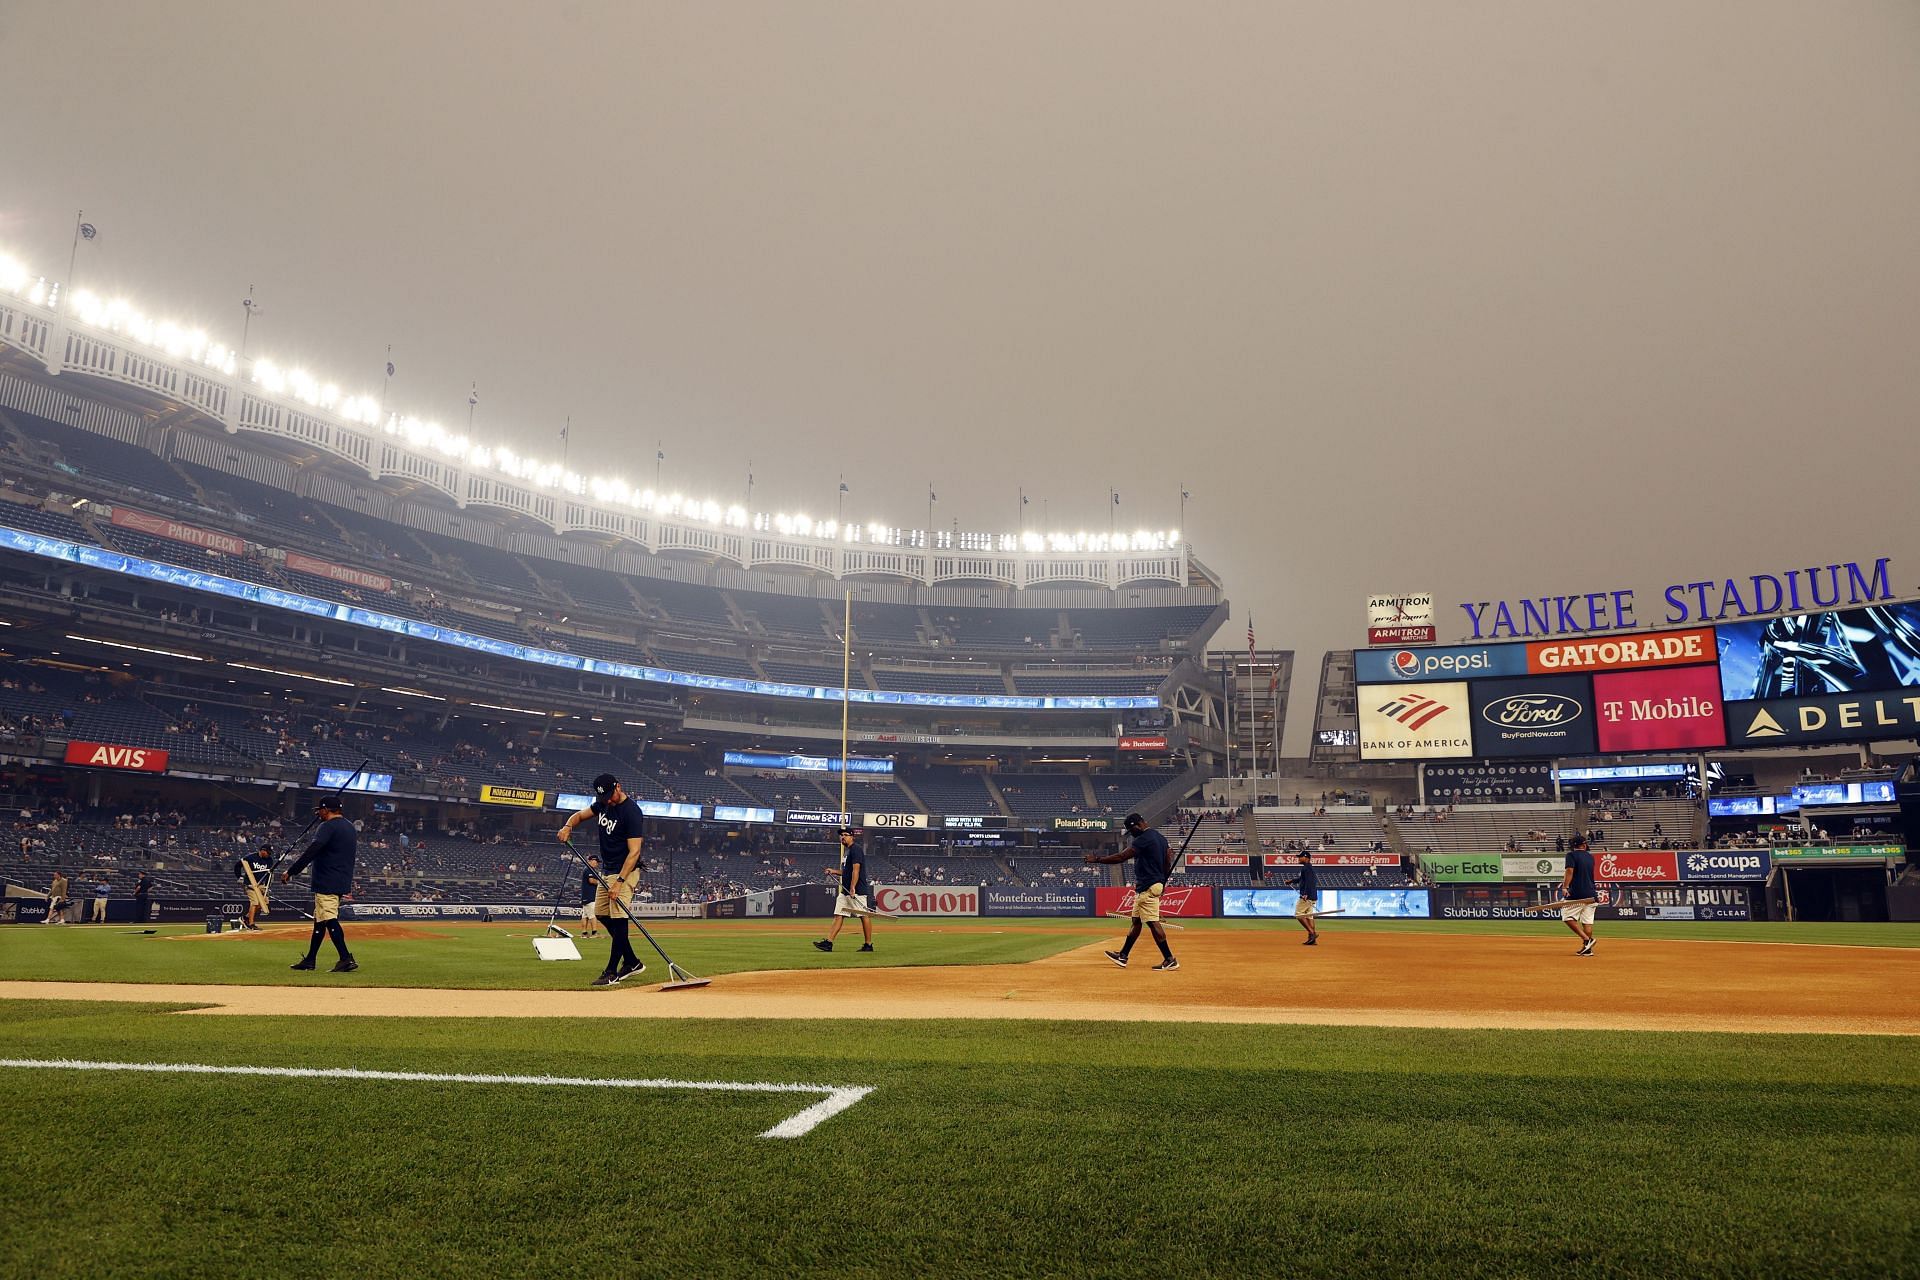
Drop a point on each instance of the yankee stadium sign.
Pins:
(1708, 600)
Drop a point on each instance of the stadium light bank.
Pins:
(194, 345)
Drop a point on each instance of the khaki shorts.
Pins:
(1146, 903)
(257, 898)
(326, 906)
(586, 914)
(603, 904)
(1578, 915)
(850, 904)
(1304, 906)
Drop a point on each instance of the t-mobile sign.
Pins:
(1659, 710)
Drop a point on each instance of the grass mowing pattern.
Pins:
(498, 957)
(988, 1149)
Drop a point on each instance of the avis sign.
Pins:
(107, 755)
(1401, 619)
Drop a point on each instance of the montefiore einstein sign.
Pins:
(1708, 600)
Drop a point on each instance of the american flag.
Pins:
(1251, 648)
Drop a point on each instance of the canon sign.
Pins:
(927, 902)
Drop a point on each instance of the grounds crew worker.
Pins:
(852, 900)
(1577, 883)
(56, 898)
(1308, 902)
(621, 826)
(255, 870)
(334, 844)
(589, 890)
(1152, 864)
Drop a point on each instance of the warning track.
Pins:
(1355, 979)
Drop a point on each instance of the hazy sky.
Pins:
(1481, 298)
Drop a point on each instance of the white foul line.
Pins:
(838, 1099)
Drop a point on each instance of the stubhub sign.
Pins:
(1456, 662)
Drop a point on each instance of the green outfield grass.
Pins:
(494, 957)
(987, 1149)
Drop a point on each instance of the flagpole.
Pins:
(388, 384)
(73, 257)
(566, 440)
(846, 679)
(659, 456)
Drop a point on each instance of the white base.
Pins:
(556, 949)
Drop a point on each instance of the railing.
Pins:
(237, 404)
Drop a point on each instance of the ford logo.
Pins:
(1532, 711)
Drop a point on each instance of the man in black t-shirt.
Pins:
(1575, 885)
(255, 871)
(852, 899)
(1304, 906)
(332, 852)
(621, 827)
(1152, 864)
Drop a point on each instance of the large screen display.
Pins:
(338, 780)
(803, 763)
(1809, 654)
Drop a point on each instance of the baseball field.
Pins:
(974, 1098)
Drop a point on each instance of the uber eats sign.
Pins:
(1462, 868)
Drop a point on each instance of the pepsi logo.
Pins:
(1406, 663)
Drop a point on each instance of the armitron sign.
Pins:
(107, 755)
(1401, 619)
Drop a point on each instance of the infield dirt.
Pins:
(1358, 979)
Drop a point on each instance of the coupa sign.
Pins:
(1724, 864)
(107, 755)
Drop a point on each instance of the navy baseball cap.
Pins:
(605, 785)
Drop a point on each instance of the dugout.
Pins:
(1836, 891)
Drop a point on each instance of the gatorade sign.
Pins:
(108, 755)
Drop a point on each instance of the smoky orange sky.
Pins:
(1490, 299)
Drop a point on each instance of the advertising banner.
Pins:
(669, 809)
(972, 821)
(1415, 722)
(108, 755)
(803, 763)
(1488, 783)
(1279, 903)
(174, 531)
(516, 797)
(1838, 717)
(1217, 858)
(1186, 900)
(1813, 654)
(1533, 868)
(348, 780)
(1493, 903)
(1622, 653)
(1549, 716)
(1839, 852)
(1461, 868)
(1659, 710)
(1725, 864)
(947, 901)
(1355, 860)
(896, 821)
(502, 910)
(818, 818)
(1084, 822)
(1449, 662)
(1143, 742)
(1615, 867)
(1036, 901)
(338, 572)
(1401, 619)
(741, 813)
(1673, 901)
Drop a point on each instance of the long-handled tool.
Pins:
(682, 980)
(1122, 915)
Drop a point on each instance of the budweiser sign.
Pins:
(173, 531)
(339, 573)
(1144, 742)
(1630, 865)
(957, 901)
(1175, 900)
(108, 755)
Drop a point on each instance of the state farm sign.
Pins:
(1356, 860)
(1222, 858)
(955, 901)
(107, 755)
(1631, 865)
